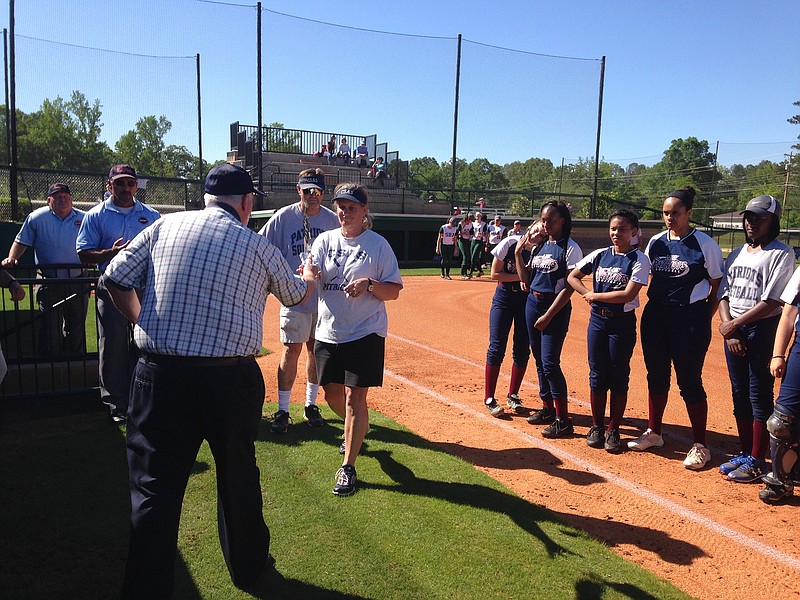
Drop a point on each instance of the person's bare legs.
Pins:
(356, 422)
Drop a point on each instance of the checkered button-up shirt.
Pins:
(206, 279)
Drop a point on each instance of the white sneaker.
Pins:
(647, 440)
(697, 458)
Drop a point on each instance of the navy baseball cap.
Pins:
(354, 193)
(118, 171)
(229, 180)
(58, 187)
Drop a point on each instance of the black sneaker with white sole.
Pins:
(515, 404)
(542, 416)
(280, 422)
(345, 481)
(493, 407)
(558, 428)
(313, 416)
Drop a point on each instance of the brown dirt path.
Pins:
(709, 537)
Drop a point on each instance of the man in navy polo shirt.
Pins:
(106, 229)
(51, 231)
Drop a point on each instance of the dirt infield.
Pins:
(711, 538)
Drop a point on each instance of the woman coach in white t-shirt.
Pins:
(358, 274)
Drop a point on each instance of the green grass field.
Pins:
(423, 524)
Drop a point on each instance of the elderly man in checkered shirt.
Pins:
(206, 278)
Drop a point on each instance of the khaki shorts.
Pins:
(297, 327)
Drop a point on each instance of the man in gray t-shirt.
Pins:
(292, 229)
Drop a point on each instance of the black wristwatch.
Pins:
(370, 285)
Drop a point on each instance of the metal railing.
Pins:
(49, 339)
(291, 141)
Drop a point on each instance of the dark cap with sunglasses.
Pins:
(118, 171)
(312, 182)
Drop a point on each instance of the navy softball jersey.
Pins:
(549, 265)
(681, 268)
(612, 272)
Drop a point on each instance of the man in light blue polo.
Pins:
(51, 231)
(106, 229)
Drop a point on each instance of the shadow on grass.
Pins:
(522, 512)
(593, 588)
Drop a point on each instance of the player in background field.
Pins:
(508, 307)
(548, 310)
(446, 245)
(480, 234)
(755, 276)
(292, 230)
(464, 240)
(686, 269)
(619, 271)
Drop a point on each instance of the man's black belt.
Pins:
(164, 360)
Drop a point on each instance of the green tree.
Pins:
(144, 148)
(534, 173)
(795, 120)
(63, 135)
(278, 139)
(426, 172)
(481, 174)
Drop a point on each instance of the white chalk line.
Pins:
(558, 452)
(680, 439)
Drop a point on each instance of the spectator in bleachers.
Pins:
(322, 152)
(51, 231)
(344, 151)
(332, 146)
(362, 154)
(379, 170)
(481, 203)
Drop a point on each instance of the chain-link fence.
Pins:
(164, 194)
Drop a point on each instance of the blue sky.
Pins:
(724, 72)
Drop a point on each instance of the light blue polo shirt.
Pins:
(105, 224)
(52, 239)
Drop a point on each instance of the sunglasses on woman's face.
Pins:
(312, 192)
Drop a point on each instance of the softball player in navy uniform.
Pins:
(547, 312)
(620, 271)
(446, 245)
(686, 268)
(508, 306)
(784, 423)
(464, 240)
(755, 276)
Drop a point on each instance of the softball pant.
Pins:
(610, 343)
(447, 257)
(751, 381)
(508, 307)
(546, 347)
(679, 335)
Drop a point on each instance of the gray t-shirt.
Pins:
(751, 277)
(342, 318)
(285, 231)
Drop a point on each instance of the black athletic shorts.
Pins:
(355, 364)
